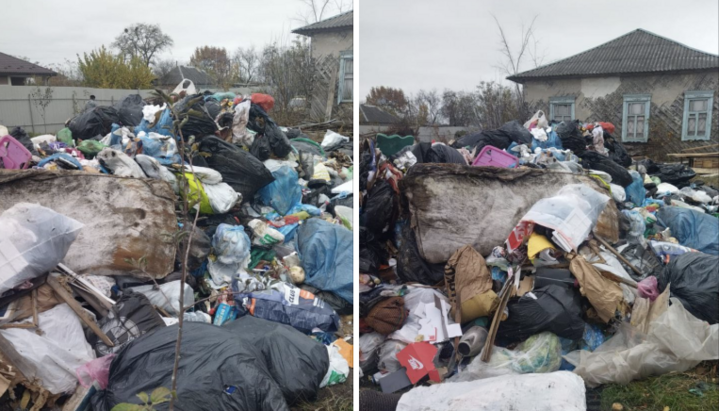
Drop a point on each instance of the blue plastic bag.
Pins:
(63, 156)
(164, 149)
(691, 228)
(231, 244)
(635, 191)
(163, 126)
(326, 253)
(553, 141)
(284, 193)
(637, 226)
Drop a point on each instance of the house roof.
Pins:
(177, 74)
(639, 51)
(374, 115)
(13, 65)
(338, 22)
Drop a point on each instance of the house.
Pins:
(331, 45)
(15, 71)
(661, 95)
(374, 120)
(179, 73)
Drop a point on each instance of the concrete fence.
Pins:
(19, 108)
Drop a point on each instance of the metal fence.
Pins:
(19, 108)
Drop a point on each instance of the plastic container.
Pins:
(493, 157)
(13, 155)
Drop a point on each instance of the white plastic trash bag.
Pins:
(332, 139)
(206, 175)
(264, 234)
(33, 240)
(119, 163)
(539, 120)
(338, 370)
(167, 296)
(222, 197)
(185, 85)
(559, 390)
(149, 111)
(53, 357)
(240, 133)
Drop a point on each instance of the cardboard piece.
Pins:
(418, 359)
(435, 327)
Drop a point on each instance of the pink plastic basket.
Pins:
(13, 155)
(493, 157)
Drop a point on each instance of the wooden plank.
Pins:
(699, 148)
(694, 155)
(70, 300)
(699, 170)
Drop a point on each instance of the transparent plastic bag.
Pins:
(34, 240)
(388, 355)
(338, 370)
(540, 353)
(369, 349)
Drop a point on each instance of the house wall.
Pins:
(326, 48)
(331, 43)
(4, 80)
(601, 99)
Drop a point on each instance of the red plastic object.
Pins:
(263, 100)
(493, 157)
(418, 358)
(13, 155)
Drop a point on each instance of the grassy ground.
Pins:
(694, 390)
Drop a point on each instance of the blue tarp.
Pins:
(284, 193)
(326, 253)
(691, 228)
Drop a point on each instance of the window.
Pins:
(561, 108)
(344, 92)
(635, 118)
(697, 115)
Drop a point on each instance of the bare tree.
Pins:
(162, 68)
(142, 40)
(248, 62)
(433, 102)
(513, 58)
(317, 10)
(216, 62)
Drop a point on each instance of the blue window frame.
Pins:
(561, 108)
(697, 121)
(344, 89)
(635, 118)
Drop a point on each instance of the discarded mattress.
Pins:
(124, 218)
(452, 205)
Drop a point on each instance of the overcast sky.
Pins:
(426, 44)
(50, 31)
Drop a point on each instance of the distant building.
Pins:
(179, 73)
(375, 116)
(332, 46)
(15, 71)
(661, 95)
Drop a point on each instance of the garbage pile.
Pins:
(536, 248)
(93, 238)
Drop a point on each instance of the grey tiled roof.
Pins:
(340, 21)
(638, 51)
(14, 65)
(373, 115)
(177, 74)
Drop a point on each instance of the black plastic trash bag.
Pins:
(557, 309)
(571, 137)
(411, 267)
(596, 161)
(501, 138)
(261, 123)
(93, 123)
(242, 171)
(21, 136)
(297, 363)
(617, 152)
(216, 372)
(379, 208)
(371, 253)
(129, 110)
(440, 153)
(693, 278)
(301, 144)
(338, 304)
(199, 122)
(261, 147)
(131, 317)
